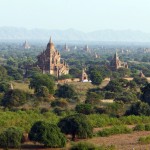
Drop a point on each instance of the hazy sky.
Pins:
(84, 15)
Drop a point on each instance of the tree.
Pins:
(114, 86)
(96, 77)
(47, 134)
(146, 93)
(84, 108)
(11, 138)
(140, 81)
(14, 97)
(139, 108)
(66, 91)
(39, 80)
(4, 86)
(76, 125)
(42, 91)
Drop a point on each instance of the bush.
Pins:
(139, 127)
(60, 103)
(114, 130)
(66, 91)
(84, 109)
(147, 127)
(89, 146)
(76, 125)
(11, 138)
(83, 146)
(139, 108)
(47, 134)
(144, 140)
(14, 97)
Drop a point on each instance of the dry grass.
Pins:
(22, 86)
(82, 87)
(122, 141)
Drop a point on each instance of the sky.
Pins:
(83, 15)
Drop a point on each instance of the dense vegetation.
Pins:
(46, 111)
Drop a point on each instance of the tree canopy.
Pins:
(76, 125)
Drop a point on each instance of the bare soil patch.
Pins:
(123, 141)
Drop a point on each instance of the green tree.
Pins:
(84, 109)
(66, 91)
(96, 77)
(76, 125)
(14, 97)
(39, 80)
(11, 138)
(146, 93)
(47, 134)
(139, 108)
(4, 86)
(42, 91)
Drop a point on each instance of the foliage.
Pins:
(4, 86)
(142, 127)
(94, 96)
(115, 109)
(83, 146)
(25, 119)
(47, 134)
(146, 93)
(139, 127)
(89, 146)
(127, 97)
(60, 103)
(96, 77)
(14, 97)
(140, 81)
(76, 125)
(3, 73)
(11, 138)
(39, 80)
(42, 92)
(139, 108)
(114, 130)
(66, 91)
(144, 140)
(84, 109)
(114, 86)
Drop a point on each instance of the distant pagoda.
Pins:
(26, 45)
(49, 61)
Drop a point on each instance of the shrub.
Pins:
(14, 97)
(11, 138)
(83, 146)
(47, 134)
(66, 91)
(114, 130)
(144, 140)
(76, 125)
(147, 127)
(84, 108)
(139, 127)
(60, 103)
(89, 146)
(139, 108)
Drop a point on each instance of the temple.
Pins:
(49, 61)
(116, 63)
(84, 77)
(26, 45)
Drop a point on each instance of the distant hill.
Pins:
(13, 33)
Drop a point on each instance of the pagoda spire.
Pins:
(50, 40)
